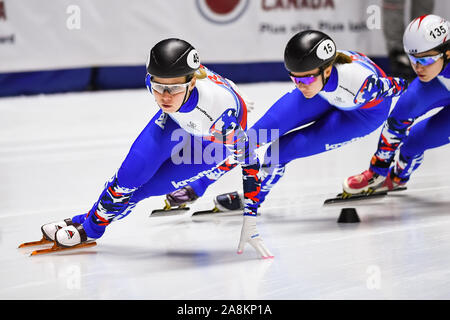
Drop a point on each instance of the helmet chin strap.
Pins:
(446, 59)
(323, 78)
(324, 81)
(185, 98)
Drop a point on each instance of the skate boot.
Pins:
(392, 183)
(63, 235)
(181, 196)
(369, 182)
(71, 236)
(176, 202)
(49, 229)
(366, 182)
(229, 201)
(48, 233)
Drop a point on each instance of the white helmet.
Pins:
(425, 33)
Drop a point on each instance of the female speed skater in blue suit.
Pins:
(202, 122)
(343, 94)
(426, 40)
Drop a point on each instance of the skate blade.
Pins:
(35, 243)
(169, 211)
(206, 212)
(398, 189)
(219, 213)
(56, 248)
(370, 194)
(345, 197)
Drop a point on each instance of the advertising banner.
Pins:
(49, 34)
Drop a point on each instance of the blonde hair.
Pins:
(200, 73)
(342, 58)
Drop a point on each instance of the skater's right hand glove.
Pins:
(250, 234)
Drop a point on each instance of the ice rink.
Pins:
(57, 151)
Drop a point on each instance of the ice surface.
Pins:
(57, 151)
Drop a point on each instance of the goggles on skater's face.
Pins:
(305, 79)
(170, 88)
(425, 61)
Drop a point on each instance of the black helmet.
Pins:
(171, 58)
(308, 50)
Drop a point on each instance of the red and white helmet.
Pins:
(426, 33)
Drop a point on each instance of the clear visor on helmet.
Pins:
(425, 61)
(170, 88)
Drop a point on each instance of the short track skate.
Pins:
(370, 194)
(54, 247)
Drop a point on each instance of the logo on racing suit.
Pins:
(161, 121)
(340, 144)
(205, 113)
(212, 174)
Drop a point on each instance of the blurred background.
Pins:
(51, 46)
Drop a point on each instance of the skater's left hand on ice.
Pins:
(250, 234)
